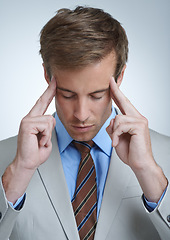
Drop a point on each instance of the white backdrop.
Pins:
(146, 82)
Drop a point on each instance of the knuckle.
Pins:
(118, 119)
(50, 121)
(145, 121)
(25, 125)
(24, 122)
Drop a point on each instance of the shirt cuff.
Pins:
(19, 203)
(150, 206)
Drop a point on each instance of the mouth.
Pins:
(83, 128)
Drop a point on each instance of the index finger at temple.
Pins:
(44, 101)
(121, 100)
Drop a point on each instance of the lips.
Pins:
(83, 128)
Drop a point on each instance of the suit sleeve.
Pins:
(8, 215)
(161, 214)
(160, 217)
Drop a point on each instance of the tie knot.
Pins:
(83, 147)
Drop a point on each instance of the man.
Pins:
(84, 55)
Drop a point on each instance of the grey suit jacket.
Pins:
(47, 212)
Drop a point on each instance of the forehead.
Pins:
(91, 78)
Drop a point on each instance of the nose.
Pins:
(82, 110)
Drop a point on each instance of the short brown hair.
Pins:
(77, 38)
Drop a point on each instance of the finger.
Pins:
(44, 138)
(109, 129)
(120, 131)
(44, 133)
(41, 119)
(44, 101)
(128, 128)
(41, 127)
(119, 126)
(121, 101)
(124, 119)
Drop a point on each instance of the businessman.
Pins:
(91, 170)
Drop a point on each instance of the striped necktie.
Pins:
(84, 201)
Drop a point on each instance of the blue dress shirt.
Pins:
(70, 157)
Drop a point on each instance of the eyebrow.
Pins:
(65, 90)
(101, 90)
(97, 91)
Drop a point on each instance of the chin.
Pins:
(83, 137)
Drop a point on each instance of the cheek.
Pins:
(106, 108)
(105, 104)
(103, 109)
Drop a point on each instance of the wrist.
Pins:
(15, 181)
(152, 181)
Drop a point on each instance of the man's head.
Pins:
(83, 49)
(73, 39)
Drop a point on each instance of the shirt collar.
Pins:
(63, 137)
(102, 139)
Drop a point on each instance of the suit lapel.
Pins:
(116, 184)
(52, 175)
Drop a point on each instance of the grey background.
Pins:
(146, 81)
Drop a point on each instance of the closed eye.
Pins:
(66, 93)
(96, 96)
(68, 96)
(99, 94)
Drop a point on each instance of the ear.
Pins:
(120, 77)
(46, 75)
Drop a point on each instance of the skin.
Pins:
(83, 100)
(83, 103)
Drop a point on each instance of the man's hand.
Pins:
(34, 139)
(34, 146)
(130, 137)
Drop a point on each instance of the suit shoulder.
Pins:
(161, 150)
(8, 143)
(158, 138)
